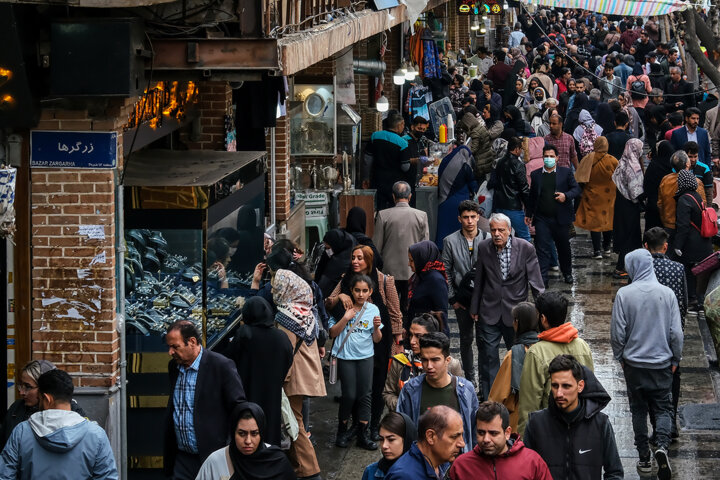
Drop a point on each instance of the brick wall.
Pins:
(452, 24)
(282, 167)
(73, 276)
(214, 100)
(463, 32)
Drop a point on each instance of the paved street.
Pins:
(696, 454)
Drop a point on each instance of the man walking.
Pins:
(391, 159)
(438, 387)
(618, 137)
(460, 252)
(563, 142)
(572, 435)
(550, 210)
(511, 189)
(56, 442)
(440, 441)
(395, 230)
(647, 339)
(503, 270)
(558, 336)
(206, 388)
(499, 453)
(691, 132)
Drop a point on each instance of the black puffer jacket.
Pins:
(582, 448)
(510, 184)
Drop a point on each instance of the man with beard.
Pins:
(418, 151)
(499, 453)
(572, 435)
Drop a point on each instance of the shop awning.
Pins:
(173, 168)
(614, 7)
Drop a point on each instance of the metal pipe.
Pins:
(273, 186)
(370, 67)
(120, 259)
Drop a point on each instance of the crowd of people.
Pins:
(582, 121)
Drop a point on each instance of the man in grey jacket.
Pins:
(459, 256)
(647, 339)
(395, 230)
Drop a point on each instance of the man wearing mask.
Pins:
(550, 210)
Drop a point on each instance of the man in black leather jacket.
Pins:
(511, 188)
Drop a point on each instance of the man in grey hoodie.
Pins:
(647, 339)
(57, 442)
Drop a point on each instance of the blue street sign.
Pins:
(56, 149)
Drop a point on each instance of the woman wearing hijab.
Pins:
(535, 103)
(260, 347)
(585, 122)
(573, 117)
(427, 289)
(334, 260)
(514, 120)
(385, 297)
(597, 203)
(493, 124)
(356, 225)
(249, 456)
(689, 246)
(294, 300)
(658, 168)
(628, 179)
(456, 182)
(397, 434)
(605, 117)
(520, 95)
(506, 387)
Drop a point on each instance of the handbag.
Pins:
(332, 370)
(707, 264)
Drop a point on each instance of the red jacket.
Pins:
(518, 463)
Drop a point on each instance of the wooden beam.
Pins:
(215, 54)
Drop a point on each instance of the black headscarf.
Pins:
(256, 312)
(408, 439)
(605, 117)
(330, 269)
(267, 462)
(356, 220)
(426, 258)
(573, 117)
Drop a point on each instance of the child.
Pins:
(355, 360)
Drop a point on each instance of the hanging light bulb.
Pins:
(398, 77)
(475, 25)
(382, 104)
(484, 17)
(483, 30)
(410, 74)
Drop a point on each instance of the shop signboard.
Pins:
(56, 149)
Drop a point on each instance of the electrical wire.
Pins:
(560, 49)
(126, 163)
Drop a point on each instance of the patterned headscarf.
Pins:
(686, 182)
(294, 300)
(628, 176)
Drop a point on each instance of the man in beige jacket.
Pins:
(396, 229)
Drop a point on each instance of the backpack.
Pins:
(708, 227)
(587, 141)
(637, 89)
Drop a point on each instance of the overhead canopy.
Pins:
(645, 8)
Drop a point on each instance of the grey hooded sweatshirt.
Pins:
(645, 330)
(60, 445)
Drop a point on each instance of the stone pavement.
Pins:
(695, 455)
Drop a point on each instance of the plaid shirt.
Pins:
(504, 258)
(566, 148)
(184, 403)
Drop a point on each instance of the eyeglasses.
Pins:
(24, 387)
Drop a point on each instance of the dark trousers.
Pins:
(548, 232)
(187, 466)
(402, 290)
(650, 390)
(675, 399)
(601, 241)
(466, 325)
(488, 358)
(356, 385)
(377, 404)
(693, 297)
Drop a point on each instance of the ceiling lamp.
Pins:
(382, 104)
(399, 77)
(411, 73)
(475, 25)
(483, 30)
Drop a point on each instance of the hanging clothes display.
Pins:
(417, 101)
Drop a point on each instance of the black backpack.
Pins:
(637, 90)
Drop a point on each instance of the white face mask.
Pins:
(329, 252)
(232, 251)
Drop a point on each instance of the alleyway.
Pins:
(695, 455)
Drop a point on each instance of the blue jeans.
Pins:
(517, 220)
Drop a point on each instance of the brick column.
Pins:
(214, 100)
(463, 31)
(282, 169)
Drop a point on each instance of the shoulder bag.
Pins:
(332, 375)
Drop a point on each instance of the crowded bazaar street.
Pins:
(360, 239)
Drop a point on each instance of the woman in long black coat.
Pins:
(263, 356)
(689, 246)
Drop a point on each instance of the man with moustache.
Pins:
(206, 388)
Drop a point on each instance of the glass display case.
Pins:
(312, 119)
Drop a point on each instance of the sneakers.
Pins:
(555, 268)
(608, 251)
(569, 279)
(644, 467)
(597, 255)
(664, 470)
(620, 275)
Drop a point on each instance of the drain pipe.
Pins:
(120, 260)
(273, 187)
